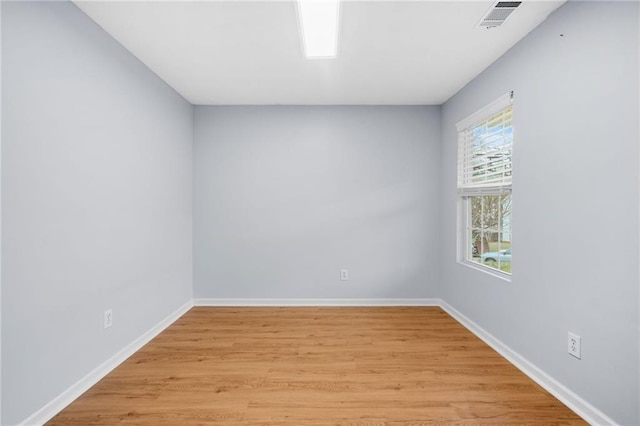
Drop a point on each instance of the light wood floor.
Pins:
(316, 366)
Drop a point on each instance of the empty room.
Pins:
(303, 212)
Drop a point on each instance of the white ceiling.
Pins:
(250, 52)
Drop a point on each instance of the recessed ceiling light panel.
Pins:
(319, 26)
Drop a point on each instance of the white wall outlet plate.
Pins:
(574, 343)
(108, 318)
(344, 274)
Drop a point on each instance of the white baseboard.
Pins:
(56, 405)
(314, 302)
(581, 407)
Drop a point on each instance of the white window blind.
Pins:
(485, 144)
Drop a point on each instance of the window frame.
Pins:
(466, 192)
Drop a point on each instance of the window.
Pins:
(485, 146)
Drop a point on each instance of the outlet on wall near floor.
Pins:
(108, 318)
(574, 345)
(344, 274)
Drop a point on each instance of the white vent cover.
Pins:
(499, 13)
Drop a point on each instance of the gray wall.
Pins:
(287, 196)
(575, 203)
(96, 200)
(0, 217)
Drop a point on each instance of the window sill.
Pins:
(490, 271)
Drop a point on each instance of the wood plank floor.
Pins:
(316, 366)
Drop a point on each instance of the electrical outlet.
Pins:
(108, 318)
(574, 345)
(344, 274)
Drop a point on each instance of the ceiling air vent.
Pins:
(499, 13)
